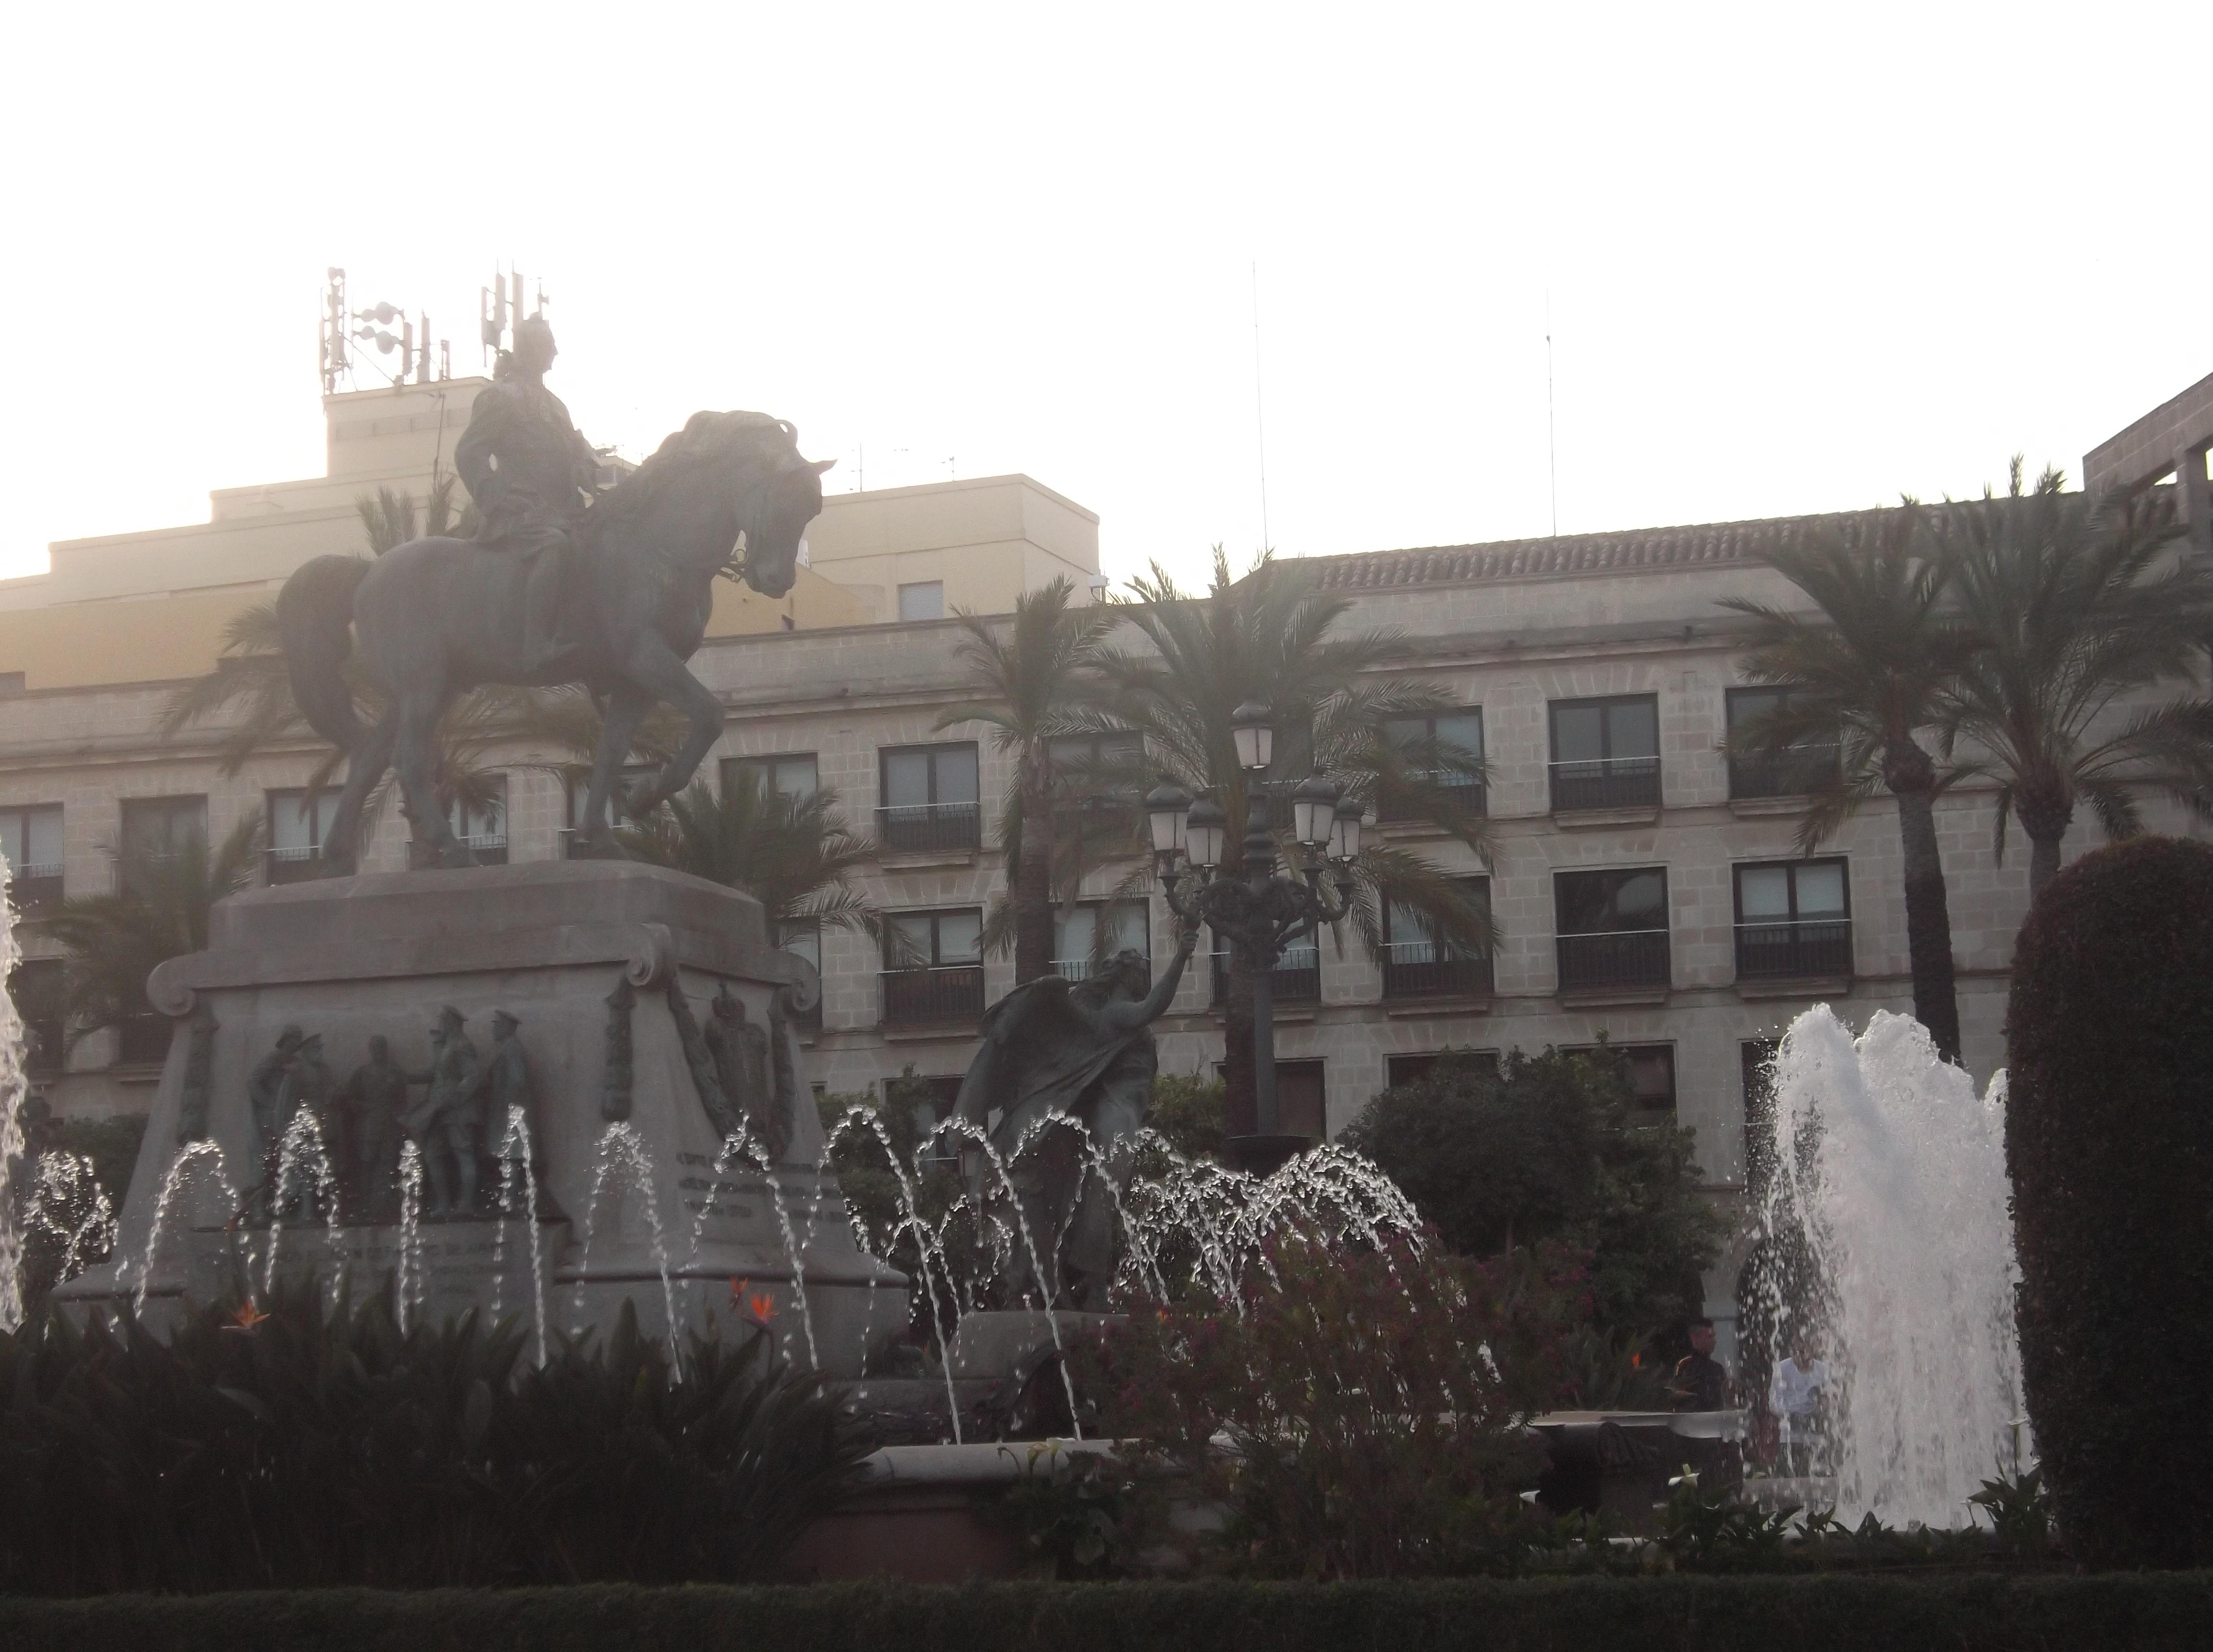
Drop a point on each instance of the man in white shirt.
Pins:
(1797, 1394)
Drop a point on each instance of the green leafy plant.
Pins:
(297, 1443)
(1546, 1147)
(2020, 1512)
(1080, 1512)
(1357, 1411)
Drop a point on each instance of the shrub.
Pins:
(1546, 1147)
(1372, 1399)
(2109, 1139)
(321, 1446)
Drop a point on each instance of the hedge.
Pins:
(2109, 1140)
(1959, 1612)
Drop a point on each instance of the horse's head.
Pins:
(744, 473)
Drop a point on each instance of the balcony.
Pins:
(1620, 959)
(1468, 795)
(1082, 969)
(37, 889)
(294, 865)
(926, 828)
(1296, 977)
(1424, 969)
(1788, 774)
(946, 996)
(1606, 783)
(1784, 950)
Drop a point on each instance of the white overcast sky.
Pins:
(1795, 257)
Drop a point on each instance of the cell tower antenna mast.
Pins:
(1551, 435)
(1259, 413)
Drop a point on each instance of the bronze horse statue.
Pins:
(728, 494)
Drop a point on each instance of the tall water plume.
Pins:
(1886, 1223)
(13, 1163)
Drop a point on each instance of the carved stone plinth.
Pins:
(650, 1019)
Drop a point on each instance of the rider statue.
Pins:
(531, 474)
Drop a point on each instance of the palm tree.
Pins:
(1034, 682)
(793, 853)
(1272, 637)
(1870, 672)
(2072, 612)
(160, 912)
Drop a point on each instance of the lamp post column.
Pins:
(1259, 963)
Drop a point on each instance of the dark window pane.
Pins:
(1578, 733)
(956, 775)
(1633, 728)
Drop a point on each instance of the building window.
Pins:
(1611, 928)
(1804, 766)
(1793, 919)
(1406, 1069)
(803, 938)
(1296, 977)
(924, 599)
(1301, 1098)
(1417, 965)
(1757, 1056)
(1096, 931)
(930, 799)
(158, 832)
(1606, 753)
(787, 774)
(1651, 1079)
(30, 839)
(36, 986)
(936, 977)
(1437, 750)
(579, 788)
(481, 826)
(298, 825)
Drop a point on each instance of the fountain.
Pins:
(1889, 1184)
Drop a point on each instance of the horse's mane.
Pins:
(705, 438)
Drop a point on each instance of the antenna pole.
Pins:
(1259, 417)
(1551, 435)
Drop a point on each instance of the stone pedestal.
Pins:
(630, 1091)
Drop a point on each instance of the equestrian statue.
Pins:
(560, 585)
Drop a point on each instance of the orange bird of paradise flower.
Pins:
(247, 1317)
(759, 1303)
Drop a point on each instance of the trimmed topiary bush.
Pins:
(2109, 1139)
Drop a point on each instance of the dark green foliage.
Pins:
(1187, 1111)
(1081, 1513)
(2109, 1140)
(1546, 1147)
(2148, 1612)
(326, 1446)
(1372, 1402)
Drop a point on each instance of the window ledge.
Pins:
(1409, 1008)
(915, 860)
(1283, 1014)
(1794, 986)
(1597, 998)
(1584, 819)
(912, 1033)
(1761, 808)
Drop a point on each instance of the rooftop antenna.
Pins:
(1259, 420)
(1552, 438)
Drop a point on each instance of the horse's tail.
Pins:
(314, 611)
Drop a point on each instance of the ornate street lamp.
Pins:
(1260, 913)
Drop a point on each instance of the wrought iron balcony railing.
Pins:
(908, 828)
(1296, 977)
(1614, 958)
(951, 995)
(1425, 969)
(1606, 783)
(1783, 949)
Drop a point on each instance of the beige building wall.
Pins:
(986, 540)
